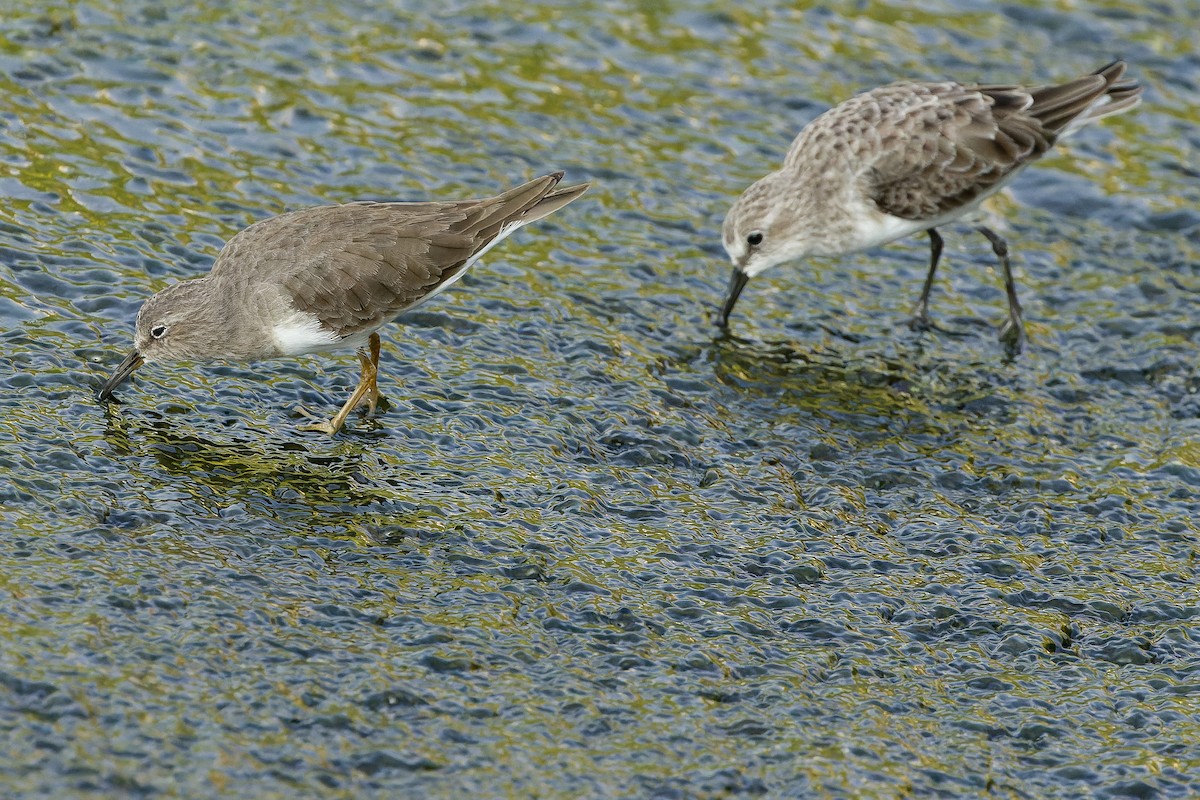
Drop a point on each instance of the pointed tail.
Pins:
(1120, 93)
(520, 205)
(554, 199)
(1067, 107)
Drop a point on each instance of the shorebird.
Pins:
(905, 158)
(327, 278)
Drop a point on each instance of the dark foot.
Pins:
(920, 322)
(1012, 336)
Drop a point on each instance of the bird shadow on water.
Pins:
(905, 377)
(295, 483)
(282, 477)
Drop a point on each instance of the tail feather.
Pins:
(554, 200)
(521, 205)
(1056, 106)
(1066, 108)
(511, 204)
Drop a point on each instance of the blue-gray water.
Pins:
(593, 550)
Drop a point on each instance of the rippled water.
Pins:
(592, 549)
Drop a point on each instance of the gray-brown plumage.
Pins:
(904, 158)
(329, 277)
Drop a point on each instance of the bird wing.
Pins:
(359, 265)
(352, 266)
(945, 146)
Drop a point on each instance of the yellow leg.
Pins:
(367, 390)
(373, 394)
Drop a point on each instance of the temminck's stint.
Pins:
(327, 278)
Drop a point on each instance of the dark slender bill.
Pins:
(328, 277)
(737, 282)
(123, 371)
(907, 157)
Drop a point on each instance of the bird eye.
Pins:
(158, 331)
(754, 239)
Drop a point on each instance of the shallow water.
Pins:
(592, 549)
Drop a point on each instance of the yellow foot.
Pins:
(369, 401)
(320, 427)
(318, 424)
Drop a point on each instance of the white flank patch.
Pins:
(303, 333)
(874, 229)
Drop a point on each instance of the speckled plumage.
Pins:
(905, 158)
(328, 277)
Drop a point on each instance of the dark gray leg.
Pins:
(1012, 333)
(920, 319)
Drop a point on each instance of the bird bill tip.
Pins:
(737, 282)
(131, 362)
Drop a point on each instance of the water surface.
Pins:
(593, 549)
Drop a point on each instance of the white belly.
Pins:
(302, 333)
